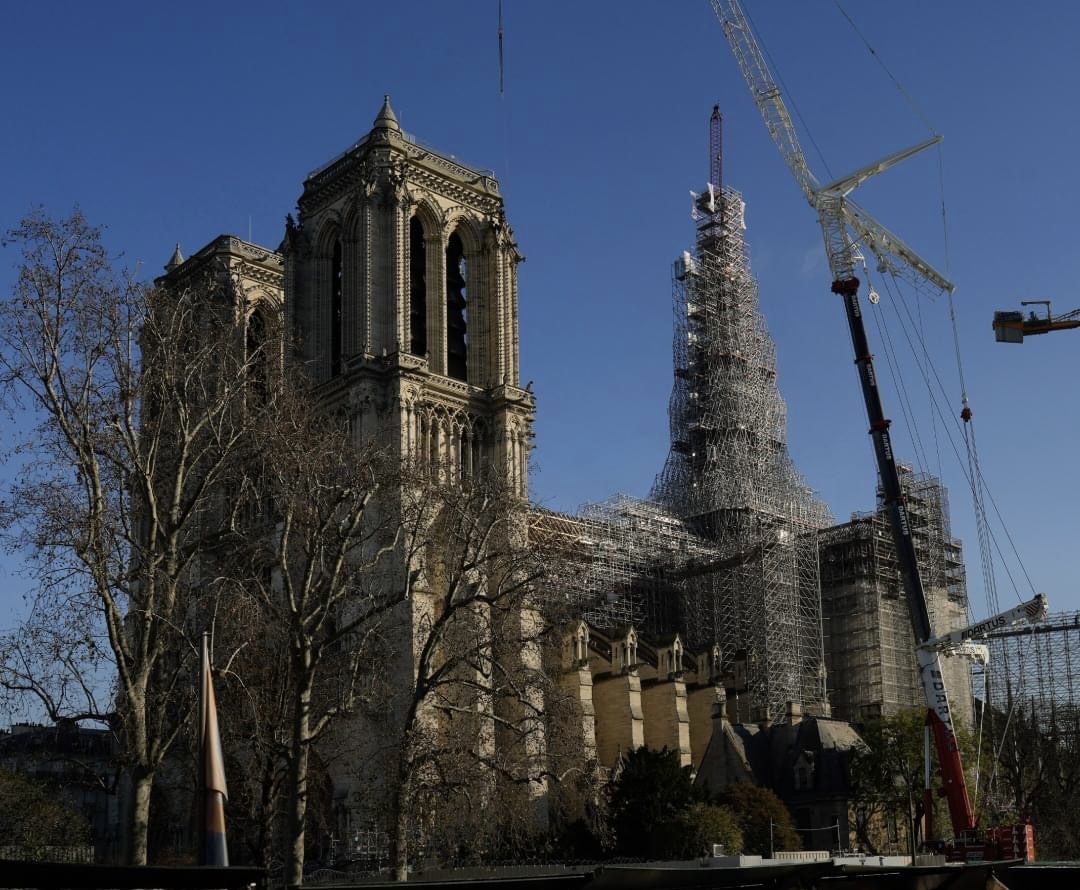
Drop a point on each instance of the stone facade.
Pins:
(630, 692)
(869, 641)
(401, 276)
(397, 283)
(397, 279)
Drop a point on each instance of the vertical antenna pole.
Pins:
(501, 91)
(716, 148)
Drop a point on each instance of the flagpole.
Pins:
(200, 795)
(213, 849)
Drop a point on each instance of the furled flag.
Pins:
(212, 779)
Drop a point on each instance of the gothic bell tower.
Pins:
(401, 287)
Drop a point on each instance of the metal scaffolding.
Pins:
(730, 478)
(869, 641)
(726, 551)
(623, 562)
(1036, 667)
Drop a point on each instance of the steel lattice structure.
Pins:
(730, 477)
(1037, 667)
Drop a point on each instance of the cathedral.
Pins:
(695, 611)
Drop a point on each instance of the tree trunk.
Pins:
(401, 849)
(142, 781)
(400, 852)
(268, 807)
(297, 793)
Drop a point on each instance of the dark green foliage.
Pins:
(649, 800)
(707, 824)
(754, 809)
(578, 840)
(887, 775)
(32, 818)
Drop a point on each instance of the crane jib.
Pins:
(837, 217)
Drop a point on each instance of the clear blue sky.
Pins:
(177, 122)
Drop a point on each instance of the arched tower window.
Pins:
(457, 342)
(417, 289)
(335, 308)
(257, 359)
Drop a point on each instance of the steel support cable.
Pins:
(916, 110)
(973, 469)
(974, 474)
(914, 333)
(1004, 738)
(898, 378)
(925, 365)
(929, 389)
(895, 296)
(974, 481)
(1012, 701)
(905, 406)
(992, 537)
(979, 740)
(1012, 544)
(789, 97)
(978, 482)
(981, 523)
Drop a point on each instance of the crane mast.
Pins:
(842, 224)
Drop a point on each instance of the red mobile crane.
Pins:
(843, 224)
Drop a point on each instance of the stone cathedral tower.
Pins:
(398, 282)
(401, 291)
(401, 285)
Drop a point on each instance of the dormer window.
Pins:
(583, 644)
(804, 771)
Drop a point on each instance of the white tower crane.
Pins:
(846, 228)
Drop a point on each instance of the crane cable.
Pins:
(978, 489)
(974, 471)
(502, 86)
(925, 366)
(916, 110)
(988, 542)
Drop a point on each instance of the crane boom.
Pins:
(1033, 611)
(766, 93)
(844, 224)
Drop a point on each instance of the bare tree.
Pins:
(1036, 773)
(317, 542)
(471, 726)
(114, 481)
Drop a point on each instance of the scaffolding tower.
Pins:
(726, 550)
(869, 641)
(730, 478)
